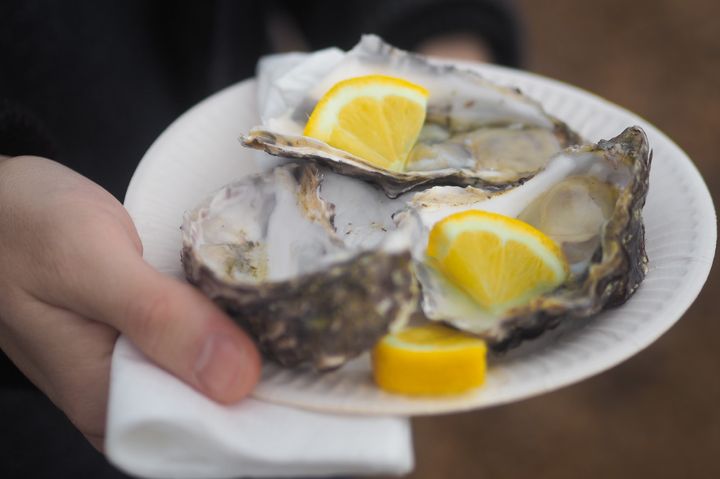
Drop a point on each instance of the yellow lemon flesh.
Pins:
(429, 360)
(499, 261)
(376, 118)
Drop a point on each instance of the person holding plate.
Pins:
(85, 89)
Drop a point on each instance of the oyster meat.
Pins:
(476, 132)
(265, 249)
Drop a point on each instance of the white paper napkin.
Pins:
(160, 427)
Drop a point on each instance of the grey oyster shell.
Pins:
(606, 277)
(617, 267)
(463, 106)
(333, 306)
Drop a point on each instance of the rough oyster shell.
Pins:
(607, 276)
(265, 250)
(472, 115)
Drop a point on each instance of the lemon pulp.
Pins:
(499, 261)
(376, 118)
(429, 360)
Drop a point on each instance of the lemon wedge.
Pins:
(499, 261)
(429, 360)
(376, 118)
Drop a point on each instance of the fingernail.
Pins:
(219, 367)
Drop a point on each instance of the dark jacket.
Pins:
(92, 83)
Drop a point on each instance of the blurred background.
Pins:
(658, 414)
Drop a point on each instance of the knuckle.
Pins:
(148, 319)
(12, 164)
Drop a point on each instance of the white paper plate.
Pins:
(200, 152)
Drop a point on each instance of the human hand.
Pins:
(461, 46)
(73, 279)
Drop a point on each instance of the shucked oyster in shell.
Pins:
(589, 200)
(266, 250)
(476, 132)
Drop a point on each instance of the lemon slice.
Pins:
(429, 360)
(376, 118)
(499, 261)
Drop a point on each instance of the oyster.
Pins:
(476, 132)
(266, 250)
(589, 199)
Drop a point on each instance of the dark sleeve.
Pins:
(21, 133)
(407, 23)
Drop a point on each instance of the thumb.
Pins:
(169, 321)
(184, 332)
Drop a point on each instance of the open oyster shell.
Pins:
(476, 132)
(589, 199)
(266, 250)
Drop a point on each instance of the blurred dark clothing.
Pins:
(92, 83)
